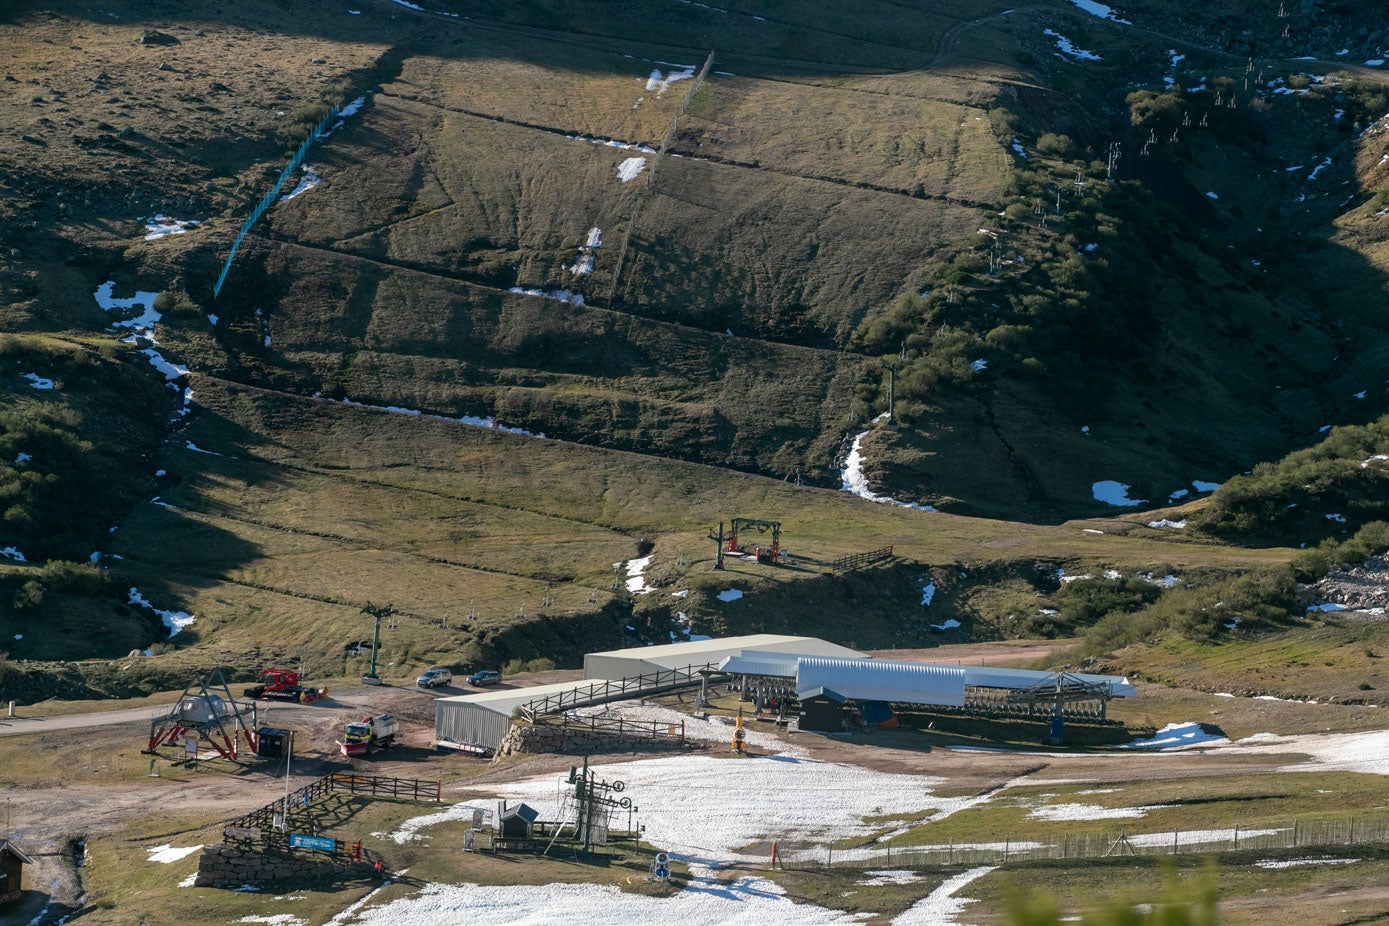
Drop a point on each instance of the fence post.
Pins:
(1236, 836)
(1174, 842)
(1294, 835)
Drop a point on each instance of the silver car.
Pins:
(432, 678)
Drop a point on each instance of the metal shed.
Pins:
(822, 710)
(884, 680)
(483, 719)
(642, 660)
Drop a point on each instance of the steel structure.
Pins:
(207, 711)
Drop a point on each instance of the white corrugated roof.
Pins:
(756, 662)
(733, 644)
(884, 680)
(506, 700)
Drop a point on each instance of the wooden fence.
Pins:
(302, 811)
(860, 560)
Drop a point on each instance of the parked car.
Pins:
(432, 678)
(485, 677)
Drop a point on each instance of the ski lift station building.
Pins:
(481, 720)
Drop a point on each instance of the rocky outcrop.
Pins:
(1363, 588)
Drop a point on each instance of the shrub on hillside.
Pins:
(1201, 613)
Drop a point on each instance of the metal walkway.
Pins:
(622, 689)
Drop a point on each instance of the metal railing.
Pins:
(654, 729)
(602, 692)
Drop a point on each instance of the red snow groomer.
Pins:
(283, 685)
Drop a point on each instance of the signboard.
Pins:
(317, 843)
(190, 748)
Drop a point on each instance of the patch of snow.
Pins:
(854, 480)
(36, 381)
(1114, 493)
(1018, 149)
(979, 365)
(636, 581)
(941, 907)
(1362, 393)
(174, 620)
(1325, 606)
(1178, 525)
(1199, 837)
(407, 3)
(1210, 195)
(630, 168)
(1064, 44)
(662, 84)
(23, 458)
(1338, 518)
(1103, 12)
(731, 594)
(167, 853)
(559, 295)
(351, 109)
(949, 624)
(1200, 486)
(158, 226)
(1325, 163)
(1275, 864)
(1177, 736)
(1374, 63)
(1180, 493)
(880, 878)
(471, 421)
(1058, 812)
(1363, 464)
(1090, 530)
(212, 320)
(927, 593)
(189, 881)
(1085, 429)
(14, 554)
(307, 182)
(274, 919)
(683, 593)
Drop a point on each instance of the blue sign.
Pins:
(318, 843)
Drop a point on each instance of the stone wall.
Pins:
(221, 866)
(525, 738)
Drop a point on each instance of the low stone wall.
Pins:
(525, 738)
(220, 866)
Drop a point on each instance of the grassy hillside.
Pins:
(852, 185)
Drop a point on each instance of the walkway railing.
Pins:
(602, 692)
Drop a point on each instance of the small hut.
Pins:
(12, 862)
(822, 710)
(516, 822)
